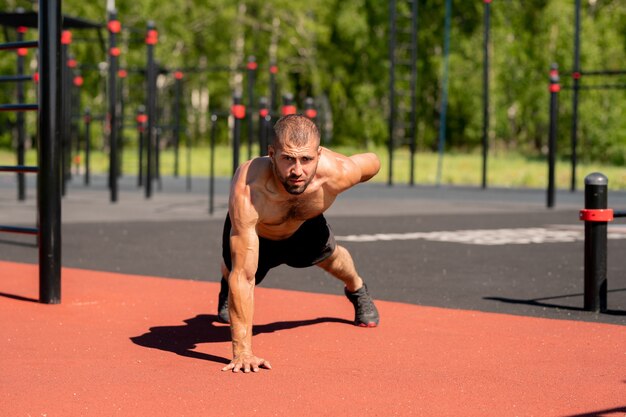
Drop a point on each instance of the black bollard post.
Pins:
(596, 217)
(152, 37)
(212, 164)
(309, 109)
(288, 105)
(178, 92)
(114, 28)
(252, 66)
(264, 112)
(554, 108)
(87, 120)
(239, 113)
(142, 120)
(273, 105)
(21, 131)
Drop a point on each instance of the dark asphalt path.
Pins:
(538, 279)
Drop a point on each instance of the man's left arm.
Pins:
(368, 163)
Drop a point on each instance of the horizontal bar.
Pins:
(22, 230)
(17, 45)
(14, 78)
(18, 107)
(596, 87)
(18, 168)
(619, 213)
(603, 72)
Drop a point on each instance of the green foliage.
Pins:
(337, 51)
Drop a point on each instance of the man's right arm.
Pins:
(244, 244)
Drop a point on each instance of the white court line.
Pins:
(488, 237)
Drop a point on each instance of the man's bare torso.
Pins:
(281, 214)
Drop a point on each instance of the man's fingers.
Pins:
(265, 364)
(247, 366)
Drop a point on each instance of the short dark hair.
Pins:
(295, 128)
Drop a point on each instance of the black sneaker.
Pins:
(222, 303)
(365, 312)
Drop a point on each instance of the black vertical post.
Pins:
(66, 40)
(273, 105)
(114, 27)
(178, 91)
(21, 134)
(141, 120)
(252, 66)
(263, 125)
(239, 113)
(151, 40)
(87, 120)
(288, 105)
(554, 114)
(596, 198)
(49, 155)
(78, 83)
(487, 27)
(212, 164)
(392, 83)
(413, 123)
(575, 88)
(309, 109)
(121, 75)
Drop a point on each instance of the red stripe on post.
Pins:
(66, 37)
(114, 26)
(239, 111)
(252, 65)
(22, 51)
(122, 73)
(576, 75)
(274, 69)
(78, 81)
(142, 118)
(115, 51)
(22, 29)
(288, 109)
(596, 215)
(263, 112)
(72, 63)
(179, 75)
(152, 37)
(311, 113)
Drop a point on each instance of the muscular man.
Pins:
(275, 217)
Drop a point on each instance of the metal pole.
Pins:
(49, 155)
(263, 126)
(114, 51)
(273, 105)
(413, 143)
(239, 112)
(141, 120)
(487, 27)
(87, 119)
(392, 86)
(178, 76)
(252, 66)
(212, 164)
(151, 40)
(444, 93)
(576, 88)
(21, 134)
(596, 186)
(554, 114)
(66, 39)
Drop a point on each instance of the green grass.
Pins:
(504, 169)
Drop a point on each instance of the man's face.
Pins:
(295, 166)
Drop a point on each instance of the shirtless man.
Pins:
(275, 217)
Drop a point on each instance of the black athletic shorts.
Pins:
(310, 244)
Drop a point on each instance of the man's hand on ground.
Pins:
(247, 362)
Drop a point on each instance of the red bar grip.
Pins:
(239, 111)
(596, 215)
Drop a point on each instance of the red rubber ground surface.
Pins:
(124, 345)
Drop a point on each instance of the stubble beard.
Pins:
(290, 188)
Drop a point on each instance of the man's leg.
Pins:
(222, 300)
(341, 266)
